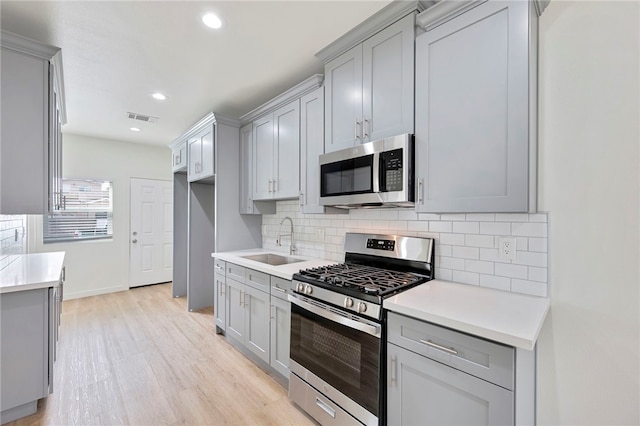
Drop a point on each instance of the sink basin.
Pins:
(272, 259)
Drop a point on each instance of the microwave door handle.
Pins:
(376, 172)
(369, 329)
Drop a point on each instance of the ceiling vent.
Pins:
(142, 117)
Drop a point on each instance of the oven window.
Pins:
(353, 176)
(347, 359)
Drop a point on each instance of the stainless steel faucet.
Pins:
(292, 247)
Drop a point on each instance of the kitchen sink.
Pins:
(272, 259)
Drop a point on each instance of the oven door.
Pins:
(342, 350)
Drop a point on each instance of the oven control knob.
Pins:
(300, 287)
(348, 302)
(362, 307)
(308, 289)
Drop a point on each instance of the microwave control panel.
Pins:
(391, 168)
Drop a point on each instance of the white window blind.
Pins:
(87, 212)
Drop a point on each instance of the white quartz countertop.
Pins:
(285, 271)
(32, 271)
(509, 318)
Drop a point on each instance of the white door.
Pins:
(151, 232)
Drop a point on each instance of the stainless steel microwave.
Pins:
(374, 174)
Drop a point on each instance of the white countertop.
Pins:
(32, 271)
(283, 271)
(509, 318)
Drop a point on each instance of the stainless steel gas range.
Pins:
(338, 326)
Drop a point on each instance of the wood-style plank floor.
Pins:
(138, 357)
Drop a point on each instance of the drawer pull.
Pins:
(442, 348)
(330, 411)
(281, 290)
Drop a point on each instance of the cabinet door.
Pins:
(425, 392)
(387, 81)
(195, 159)
(263, 158)
(286, 178)
(257, 322)
(179, 157)
(343, 100)
(472, 106)
(24, 134)
(280, 330)
(207, 139)
(220, 302)
(311, 147)
(246, 169)
(235, 310)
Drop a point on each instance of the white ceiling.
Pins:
(116, 53)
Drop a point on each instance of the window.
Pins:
(87, 212)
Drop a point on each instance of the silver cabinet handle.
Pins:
(272, 311)
(275, 188)
(356, 134)
(281, 290)
(330, 411)
(393, 369)
(218, 267)
(420, 191)
(240, 298)
(301, 199)
(439, 347)
(270, 190)
(365, 128)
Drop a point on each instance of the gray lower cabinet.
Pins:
(253, 312)
(438, 376)
(29, 327)
(475, 108)
(219, 299)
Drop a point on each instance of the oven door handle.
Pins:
(373, 330)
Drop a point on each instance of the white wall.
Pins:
(102, 266)
(589, 349)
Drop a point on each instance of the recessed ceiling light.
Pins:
(159, 96)
(211, 20)
(134, 129)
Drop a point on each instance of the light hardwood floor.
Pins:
(139, 358)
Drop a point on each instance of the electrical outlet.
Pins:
(507, 248)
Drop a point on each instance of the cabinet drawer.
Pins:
(280, 287)
(236, 272)
(484, 359)
(219, 267)
(257, 280)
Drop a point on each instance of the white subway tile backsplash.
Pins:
(531, 259)
(466, 252)
(479, 266)
(511, 271)
(12, 238)
(538, 274)
(485, 241)
(466, 277)
(529, 287)
(451, 263)
(533, 229)
(512, 217)
(495, 228)
(496, 282)
(435, 226)
(466, 246)
(538, 244)
(466, 227)
(452, 239)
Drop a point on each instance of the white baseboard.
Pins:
(68, 295)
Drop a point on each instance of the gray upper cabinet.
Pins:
(179, 156)
(369, 88)
(475, 108)
(201, 154)
(33, 112)
(277, 146)
(311, 147)
(246, 169)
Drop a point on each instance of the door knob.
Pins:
(134, 241)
